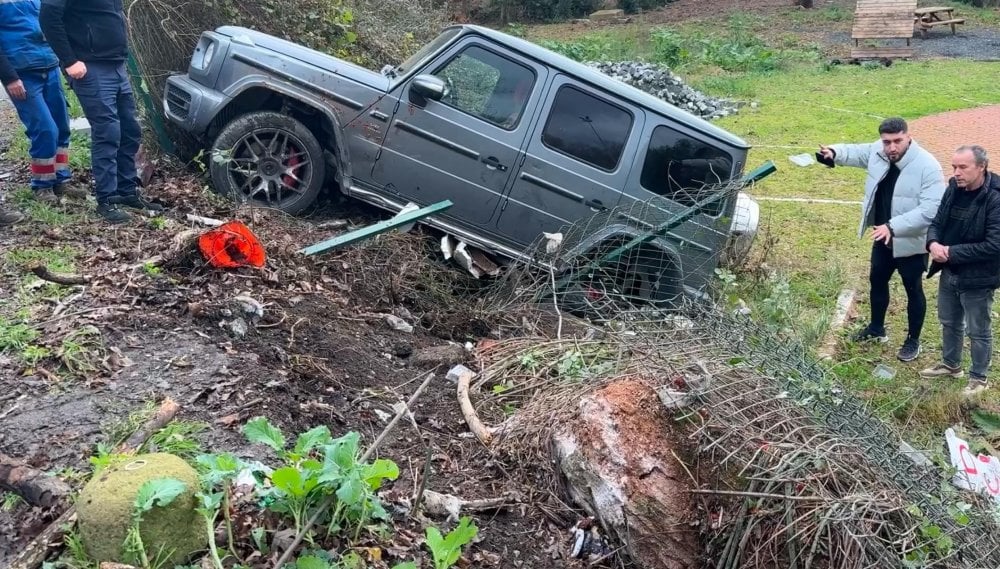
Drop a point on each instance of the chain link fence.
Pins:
(818, 480)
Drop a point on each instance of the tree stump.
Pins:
(618, 460)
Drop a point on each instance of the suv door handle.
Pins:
(494, 163)
(595, 204)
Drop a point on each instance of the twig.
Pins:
(80, 313)
(760, 495)
(555, 303)
(364, 458)
(275, 324)
(6, 413)
(418, 498)
(291, 335)
(66, 279)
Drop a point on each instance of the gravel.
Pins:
(659, 81)
(977, 44)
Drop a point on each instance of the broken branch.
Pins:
(33, 485)
(43, 272)
(482, 432)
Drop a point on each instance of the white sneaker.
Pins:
(941, 370)
(974, 387)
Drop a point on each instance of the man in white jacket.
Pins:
(902, 192)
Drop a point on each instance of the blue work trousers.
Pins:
(107, 100)
(46, 122)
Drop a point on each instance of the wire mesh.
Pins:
(824, 481)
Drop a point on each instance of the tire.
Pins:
(270, 160)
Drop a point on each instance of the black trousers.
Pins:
(911, 270)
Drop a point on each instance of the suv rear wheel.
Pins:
(269, 159)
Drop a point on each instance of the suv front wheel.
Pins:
(269, 159)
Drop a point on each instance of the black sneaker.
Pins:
(112, 214)
(868, 335)
(135, 201)
(909, 351)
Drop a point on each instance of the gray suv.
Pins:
(520, 139)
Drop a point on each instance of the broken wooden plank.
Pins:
(35, 486)
(376, 229)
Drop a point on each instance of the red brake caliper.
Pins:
(292, 162)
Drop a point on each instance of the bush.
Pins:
(633, 6)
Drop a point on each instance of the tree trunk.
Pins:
(617, 459)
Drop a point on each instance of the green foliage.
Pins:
(177, 438)
(594, 47)
(159, 492)
(553, 10)
(323, 25)
(9, 501)
(633, 6)
(446, 550)
(316, 468)
(16, 337)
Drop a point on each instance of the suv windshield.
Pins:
(429, 48)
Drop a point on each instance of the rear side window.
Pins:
(683, 168)
(487, 86)
(589, 129)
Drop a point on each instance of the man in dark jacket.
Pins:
(90, 39)
(29, 72)
(964, 243)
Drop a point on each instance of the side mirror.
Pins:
(429, 87)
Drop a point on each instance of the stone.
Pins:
(238, 327)
(398, 324)
(447, 355)
(456, 372)
(616, 457)
(607, 15)
(659, 81)
(80, 125)
(106, 503)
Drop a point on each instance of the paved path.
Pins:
(943, 133)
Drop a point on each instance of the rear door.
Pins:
(464, 147)
(576, 162)
(675, 169)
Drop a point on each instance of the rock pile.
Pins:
(659, 81)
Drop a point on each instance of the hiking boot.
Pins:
(70, 191)
(112, 214)
(909, 351)
(941, 370)
(975, 386)
(9, 217)
(135, 201)
(46, 196)
(869, 335)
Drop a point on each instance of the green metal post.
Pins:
(152, 111)
(756, 175)
(376, 229)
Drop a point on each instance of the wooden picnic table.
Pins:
(929, 17)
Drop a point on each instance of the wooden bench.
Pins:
(883, 20)
(929, 17)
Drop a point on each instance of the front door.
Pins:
(463, 147)
(577, 160)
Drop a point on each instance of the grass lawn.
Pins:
(801, 102)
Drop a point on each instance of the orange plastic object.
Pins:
(232, 245)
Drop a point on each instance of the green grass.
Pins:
(44, 213)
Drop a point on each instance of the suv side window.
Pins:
(487, 86)
(683, 169)
(587, 128)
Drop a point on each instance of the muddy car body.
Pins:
(520, 139)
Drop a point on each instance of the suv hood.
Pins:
(306, 55)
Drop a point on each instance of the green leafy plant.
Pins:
(159, 492)
(218, 471)
(447, 549)
(317, 467)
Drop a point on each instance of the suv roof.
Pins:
(602, 81)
